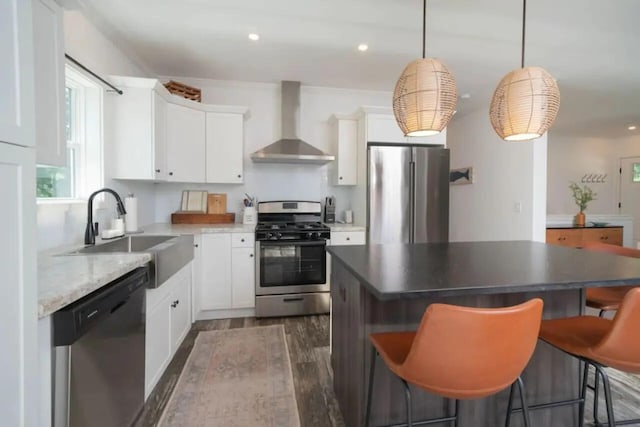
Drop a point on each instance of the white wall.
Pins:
(64, 223)
(504, 174)
(275, 181)
(571, 158)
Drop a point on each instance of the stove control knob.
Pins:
(278, 235)
(315, 235)
(308, 235)
(269, 235)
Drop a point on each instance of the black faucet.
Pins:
(90, 233)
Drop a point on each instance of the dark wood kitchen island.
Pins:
(378, 288)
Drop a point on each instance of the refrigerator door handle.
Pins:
(412, 201)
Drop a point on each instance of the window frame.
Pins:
(88, 103)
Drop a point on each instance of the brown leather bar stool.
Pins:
(608, 299)
(600, 343)
(461, 353)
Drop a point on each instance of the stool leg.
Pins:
(507, 422)
(455, 422)
(407, 393)
(596, 397)
(607, 395)
(372, 369)
(523, 401)
(583, 394)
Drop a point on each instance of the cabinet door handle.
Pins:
(157, 170)
(348, 238)
(174, 304)
(195, 245)
(239, 176)
(171, 173)
(242, 240)
(250, 255)
(340, 177)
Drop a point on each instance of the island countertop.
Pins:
(396, 271)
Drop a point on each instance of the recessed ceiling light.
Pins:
(632, 127)
(254, 37)
(362, 47)
(465, 96)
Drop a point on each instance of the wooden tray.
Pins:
(200, 218)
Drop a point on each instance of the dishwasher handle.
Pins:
(73, 321)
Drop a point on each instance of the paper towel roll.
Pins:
(131, 218)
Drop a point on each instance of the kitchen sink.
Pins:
(169, 253)
(126, 244)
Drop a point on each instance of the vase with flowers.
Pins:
(582, 196)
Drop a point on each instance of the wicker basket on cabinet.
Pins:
(183, 90)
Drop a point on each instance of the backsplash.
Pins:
(264, 181)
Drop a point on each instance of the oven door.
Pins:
(287, 267)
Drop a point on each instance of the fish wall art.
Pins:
(461, 176)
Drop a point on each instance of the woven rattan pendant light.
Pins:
(425, 96)
(526, 101)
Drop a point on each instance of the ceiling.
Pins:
(587, 45)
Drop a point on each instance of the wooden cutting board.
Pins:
(200, 218)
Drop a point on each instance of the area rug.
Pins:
(235, 377)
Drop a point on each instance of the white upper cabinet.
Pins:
(48, 46)
(135, 128)
(225, 148)
(185, 144)
(161, 137)
(381, 126)
(16, 73)
(159, 123)
(344, 134)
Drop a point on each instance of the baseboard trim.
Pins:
(225, 314)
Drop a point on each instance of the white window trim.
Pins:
(82, 187)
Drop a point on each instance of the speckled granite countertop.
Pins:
(165, 228)
(65, 279)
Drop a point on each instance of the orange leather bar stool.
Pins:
(461, 353)
(607, 299)
(599, 343)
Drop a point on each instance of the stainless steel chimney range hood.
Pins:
(291, 149)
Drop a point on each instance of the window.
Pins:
(83, 130)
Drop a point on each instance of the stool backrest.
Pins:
(611, 249)
(468, 353)
(621, 346)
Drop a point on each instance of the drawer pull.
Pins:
(242, 240)
(294, 299)
(348, 238)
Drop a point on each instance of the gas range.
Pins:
(291, 220)
(292, 231)
(292, 276)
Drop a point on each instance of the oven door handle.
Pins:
(292, 243)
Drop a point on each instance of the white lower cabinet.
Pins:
(227, 274)
(215, 276)
(168, 321)
(345, 238)
(243, 294)
(157, 343)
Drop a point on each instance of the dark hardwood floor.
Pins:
(308, 342)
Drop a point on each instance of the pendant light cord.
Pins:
(524, 20)
(424, 27)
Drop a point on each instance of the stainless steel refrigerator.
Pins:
(408, 194)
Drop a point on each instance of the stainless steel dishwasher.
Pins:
(99, 355)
